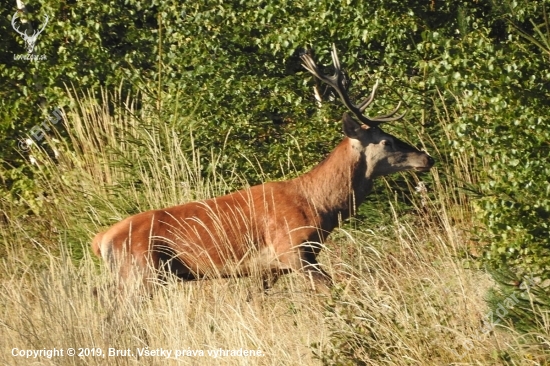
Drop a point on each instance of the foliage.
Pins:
(229, 71)
(238, 77)
(499, 81)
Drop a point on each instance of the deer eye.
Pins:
(385, 143)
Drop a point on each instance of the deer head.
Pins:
(384, 153)
(30, 40)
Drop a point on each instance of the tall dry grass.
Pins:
(407, 291)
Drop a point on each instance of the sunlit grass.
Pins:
(407, 291)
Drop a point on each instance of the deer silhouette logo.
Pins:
(29, 39)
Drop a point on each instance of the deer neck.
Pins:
(339, 184)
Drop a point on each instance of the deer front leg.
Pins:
(303, 259)
(320, 281)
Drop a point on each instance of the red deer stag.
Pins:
(272, 228)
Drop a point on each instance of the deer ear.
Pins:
(351, 127)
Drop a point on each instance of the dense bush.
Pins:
(496, 75)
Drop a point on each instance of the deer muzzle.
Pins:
(427, 162)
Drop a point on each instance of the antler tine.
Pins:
(389, 116)
(364, 104)
(311, 66)
(388, 119)
(336, 82)
(335, 59)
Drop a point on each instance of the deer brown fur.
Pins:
(265, 230)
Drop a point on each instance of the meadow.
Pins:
(409, 290)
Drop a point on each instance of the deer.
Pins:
(269, 229)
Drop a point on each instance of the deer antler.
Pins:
(337, 82)
(24, 34)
